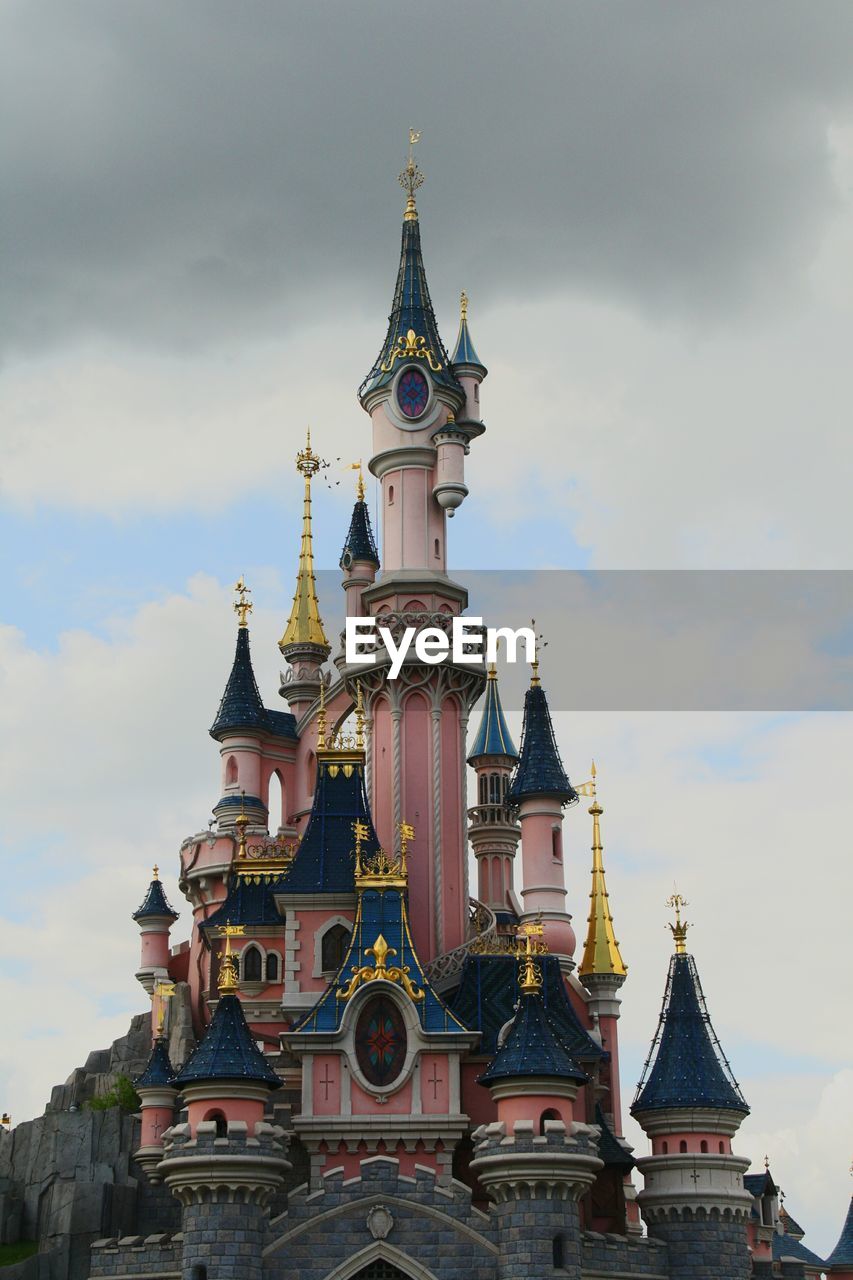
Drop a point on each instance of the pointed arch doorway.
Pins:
(380, 1269)
(381, 1261)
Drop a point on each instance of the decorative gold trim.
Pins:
(530, 973)
(228, 983)
(242, 606)
(381, 971)
(679, 929)
(411, 347)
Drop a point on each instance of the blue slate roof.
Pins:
(686, 1066)
(241, 706)
(493, 736)
(360, 543)
(228, 1051)
(788, 1246)
(487, 995)
(158, 1070)
(155, 903)
(759, 1184)
(246, 903)
(325, 861)
(540, 770)
(842, 1254)
(381, 912)
(610, 1149)
(464, 352)
(412, 309)
(532, 1047)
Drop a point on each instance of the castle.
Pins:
(359, 1068)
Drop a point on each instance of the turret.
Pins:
(304, 644)
(494, 832)
(690, 1106)
(839, 1264)
(602, 969)
(359, 558)
(540, 790)
(467, 366)
(155, 918)
(536, 1162)
(226, 1163)
(156, 1088)
(242, 722)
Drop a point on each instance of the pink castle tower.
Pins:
(494, 832)
(425, 412)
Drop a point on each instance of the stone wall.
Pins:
(704, 1245)
(157, 1256)
(610, 1255)
(412, 1222)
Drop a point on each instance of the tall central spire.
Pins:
(601, 952)
(305, 626)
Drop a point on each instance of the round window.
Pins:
(412, 393)
(380, 1041)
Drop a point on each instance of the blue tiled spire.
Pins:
(842, 1254)
(381, 912)
(155, 903)
(412, 310)
(493, 737)
(532, 1048)
(158, 1070)
(360, 543)
(686, 1066)
(464, 353)
(540, 770)
(241, 706)
(228, 1051)
(324, 862)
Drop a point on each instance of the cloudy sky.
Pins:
(651, 208)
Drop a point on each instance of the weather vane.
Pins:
(679, 929)
(356, 466)
(243, 606)
(411, 178)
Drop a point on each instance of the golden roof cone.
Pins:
(601, 951)
(529, 973)
(228, 983)
(305, 626)
(679, 929)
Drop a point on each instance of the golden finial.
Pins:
(155, 872)
(601, 950)
(679, 929)
(305, 626)
(530, 974)
(228, 983)
(534, 666)
(359, 717)
(463, 307)
(767, 1164)
(411, 178)
(321, 717)
(6, 1120)
(492, 671)
(164, 991)
(359, 489)
(407, 833)
(361, 831)
(242, 606)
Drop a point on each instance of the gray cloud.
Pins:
(182, 173)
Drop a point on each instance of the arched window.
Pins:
(437, 550)
(334, 948)
(558, 1252)
(494, 791)
(390, 494)
(484, 792)
(722, 1148)
(550, 1114)
(380, 1041)
(221, 1123)
(664, 1146)
(198, 1271)
(682, 1146)
(703, 1147)
(231, 772)
(557, 843)
(275, 802)
(272, 967)
(251, 966)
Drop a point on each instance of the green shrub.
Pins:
(121, 1095)
(10, 1253)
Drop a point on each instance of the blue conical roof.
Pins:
(241, 706)
(540, 770)
(532, 1048)
(360, 543)
(412, 310)
(159, 1070)
(325, 861)
(842, 1254)
(228, 1051)
(493, 737)
(686, 1066)
(155, 903)
(464, 352)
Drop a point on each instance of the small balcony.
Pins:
(492, 815)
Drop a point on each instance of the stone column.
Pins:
(702, 1243)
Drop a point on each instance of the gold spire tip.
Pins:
(359, 489)
(463, 307)
(307, 461)
(529, 973)
(411, 178)
(155, 871)
(242, 605)
(679, 929)
(227, 983)
(305, 626)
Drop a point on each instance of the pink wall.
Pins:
(154, 950)
(398, 1104)
(532, 1107)
(383, 771)
(454, 840)
(326, 1084)
(417, 810)
(693, 1143)
(435, 1083)
(350, 1161)
(609, 1028)
(154, 1121)
(249, 1109)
